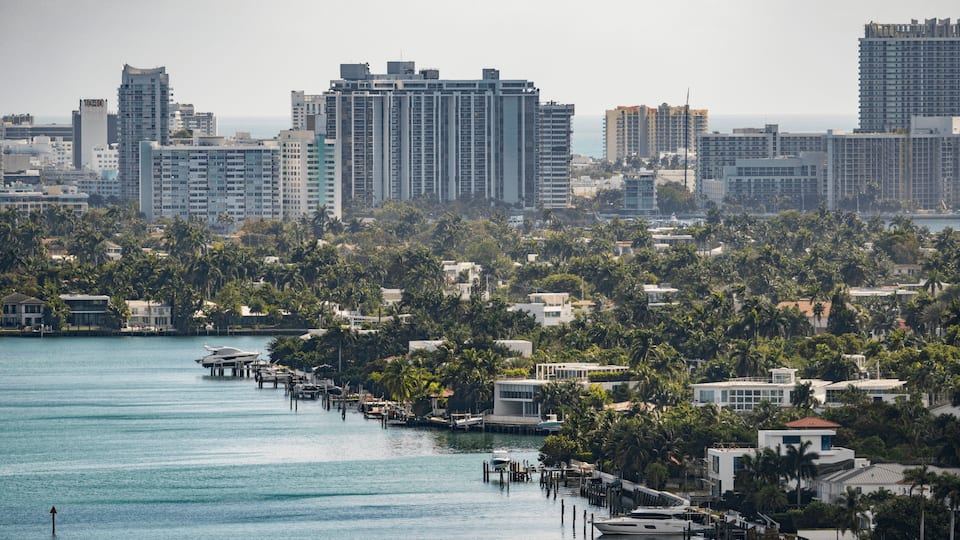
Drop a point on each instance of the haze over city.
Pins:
(242, 58)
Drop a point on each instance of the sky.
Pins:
(243, 57)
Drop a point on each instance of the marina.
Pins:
(129, 437)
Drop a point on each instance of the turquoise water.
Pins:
(129, 438)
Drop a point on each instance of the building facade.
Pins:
(908, 70)
(144, 101)
(553, 150)
(184, 116)
(306, 111)
(220, 184)
(91, 128)
(645, 132)
(640, 193)
(777, 183)
(407, 134)
(308, 175)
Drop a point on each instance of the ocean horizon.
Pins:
(587, 129)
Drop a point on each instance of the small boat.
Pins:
(654, 521)
(227, 357)
(500, 460)
(551, 423)
(466, 421)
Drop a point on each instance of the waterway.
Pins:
(130, 438)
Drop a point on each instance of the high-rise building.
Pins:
(308, 175)
(90, 129)
(407, 134)
(645, 132)
(214, 181)
(144, 101)
(553, 155)
(919, 168)
(184, 116)
(906, 70)
(306, 111)
(715, 151)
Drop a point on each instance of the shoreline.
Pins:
(172, 333)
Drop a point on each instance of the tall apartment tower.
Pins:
(306, 111)
(553, 155)
(308, 175)
(144, 101)
(906, 70)
(215, 181)
(408, 134)
(644, 131)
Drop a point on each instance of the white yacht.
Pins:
(500, 460)
(653, 521)
(227, 357)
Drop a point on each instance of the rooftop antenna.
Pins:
(686, 137)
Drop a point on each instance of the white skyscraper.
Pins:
(553, 155)
(93, 129)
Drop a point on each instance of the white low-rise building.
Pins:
(149, 316)
(745, 393)
(870, 479)
(660, 295)
(549, 309)
(513, 399)
(461, 277)
(723, 462)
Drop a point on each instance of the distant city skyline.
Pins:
(242, 58)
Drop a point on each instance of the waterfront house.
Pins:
(22, 311)
(724, 461)
(86, 310)
(513, 399)
(147, 316)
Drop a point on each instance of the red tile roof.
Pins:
(811, 422)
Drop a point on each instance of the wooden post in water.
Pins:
(574, 514)
(584, 523)
(53, 520)
(591, 528)
(561, 511)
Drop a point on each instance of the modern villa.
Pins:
(723, 462)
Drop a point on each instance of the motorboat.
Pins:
(500, 460)
(551, 423)
(654, 521)
(227, 357)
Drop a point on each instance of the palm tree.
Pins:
(851, 508)
(946, 489)
(921, 476)
(801, 464)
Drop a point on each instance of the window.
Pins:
(791, 439)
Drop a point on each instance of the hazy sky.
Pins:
(242, 57)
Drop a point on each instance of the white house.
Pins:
(461, 277)
(149, 316)
(723, 462)
(549, 309)
(660, 295)
(513, 399)
(745, 393)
